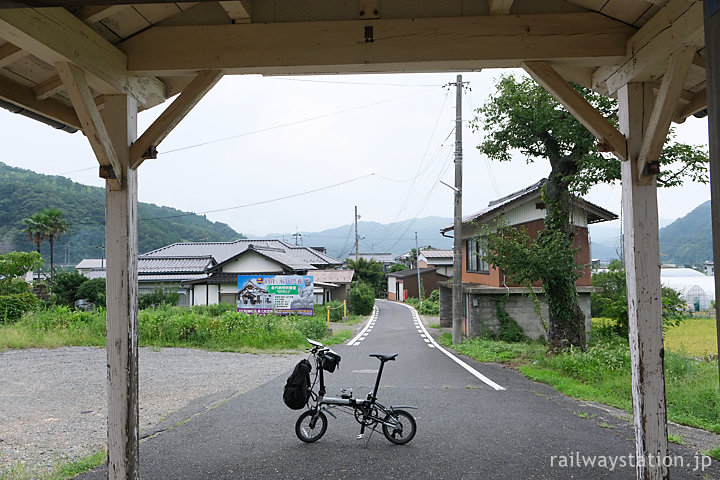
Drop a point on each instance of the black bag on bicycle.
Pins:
(297, 387)
(330, 361)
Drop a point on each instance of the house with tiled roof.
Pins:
(483, 284)
(205, 273)
(438, 258)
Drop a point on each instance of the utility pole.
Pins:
(417, 265)
(357, 246)
(457, 226)
(297, 235)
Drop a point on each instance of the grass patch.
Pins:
(602, 374)
(434, 325)
(714, 453)
(676, 439)
(61, 471)
(695, 336)
(217, 328)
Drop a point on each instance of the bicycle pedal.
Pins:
(360, 437)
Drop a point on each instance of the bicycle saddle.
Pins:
(384, 358)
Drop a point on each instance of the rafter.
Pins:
(25, 97)
(665, 105)
(55, 36)
(170, 118)
(500, 7)
(678, 23)
(238, 11)
(696, 103)
(580, 108)
(397, 44)
(10, 53)
(92, 123)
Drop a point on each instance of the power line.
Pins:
(297, 122)
(263, 201)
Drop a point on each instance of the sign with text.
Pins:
(279, 294)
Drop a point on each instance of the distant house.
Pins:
(483, 284)
(709, 269)
(404, 284)
(435, 257)
(332, 285)
(386, 259)
(205, 273)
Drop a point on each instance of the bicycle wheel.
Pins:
(405, 429)
(308, 429)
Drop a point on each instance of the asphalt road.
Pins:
(467, 429)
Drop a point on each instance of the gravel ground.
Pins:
(53, 403)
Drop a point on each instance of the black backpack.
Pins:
(297, 387)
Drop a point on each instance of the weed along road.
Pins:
(474, 421)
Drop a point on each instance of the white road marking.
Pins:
(366, 330)
(467, 367)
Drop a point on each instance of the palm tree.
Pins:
(36, 230)
(56, 226)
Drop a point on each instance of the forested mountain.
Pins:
(688, 240)
(23, 193)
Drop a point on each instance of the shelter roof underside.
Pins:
(152, 51)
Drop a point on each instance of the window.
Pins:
(474, 260)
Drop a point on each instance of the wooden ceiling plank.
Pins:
(48, 88)
(238, 11)
(696, 104)
(646, 58)
(92, 123)
(10, 54)
(173, 114)
(95, 13)
(500, 7)
(25, 97)
(398, 44)
(576, 104)
(665, 105)
(55, 35)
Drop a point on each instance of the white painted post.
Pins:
(644, 295)
(120, 118)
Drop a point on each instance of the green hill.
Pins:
(688, 240)
(23, 193)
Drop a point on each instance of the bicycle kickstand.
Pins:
(362, 434)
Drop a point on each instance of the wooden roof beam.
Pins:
(576, 104)
(398, 45)
(25, 97)
(697, 103)
(665, 105)
(679, 23)
(500, 7)
(238, 11)
(92, 123)
(9, 54)
(171, 117)
(55, 36)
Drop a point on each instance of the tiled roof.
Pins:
(91, 263)
(436, 253)
(333, 276)
(375, 257)
(180, 277)
(411, 272)
(224, 251)
(150, 265)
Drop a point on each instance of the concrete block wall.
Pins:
(445, 306)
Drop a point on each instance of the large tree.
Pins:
(521, 116)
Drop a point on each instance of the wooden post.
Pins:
(712, 56)
(120, 118)
(642, 267)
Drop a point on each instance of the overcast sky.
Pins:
(380, 142)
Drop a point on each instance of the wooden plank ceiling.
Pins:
(153, 50)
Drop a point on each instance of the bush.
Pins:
(14, 305)
(66, 287)
(336, 310)
(160, 296)
(93, 291)
(362, 298)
